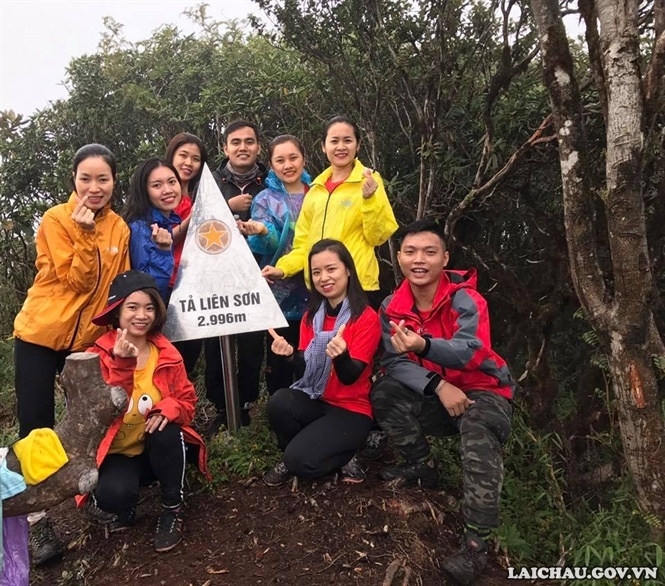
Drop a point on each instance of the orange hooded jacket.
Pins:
(75, 268)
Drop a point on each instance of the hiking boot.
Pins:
(45, 547)
(277, 476)
(169, 529)
(375, 445)
(469, 562)
(93, 513)
(352, 473)
(123, 521)
(423, 474)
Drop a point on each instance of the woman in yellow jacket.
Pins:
(346, 202)
(81, 246)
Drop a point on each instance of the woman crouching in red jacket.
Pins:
(152, 439)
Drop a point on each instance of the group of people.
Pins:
(416, 363)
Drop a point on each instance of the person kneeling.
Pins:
(152, 439)
(325, 417)
(441, 378)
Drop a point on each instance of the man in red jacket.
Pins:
(441, 377)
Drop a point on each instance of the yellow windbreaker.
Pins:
(75, 268)
(361, 224)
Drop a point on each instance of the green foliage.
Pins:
(534, 513)
(248, 452)
(615, 536)
(446, 453)
(8, 422)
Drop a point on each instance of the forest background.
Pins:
(541, 155)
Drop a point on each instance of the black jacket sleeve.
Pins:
(348, 369)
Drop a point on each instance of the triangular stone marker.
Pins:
(219, 289)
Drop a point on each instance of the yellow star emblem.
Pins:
(213, 236)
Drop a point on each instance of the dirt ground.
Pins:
(246, 533)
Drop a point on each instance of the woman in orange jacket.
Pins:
(81, 246)
(152, 440)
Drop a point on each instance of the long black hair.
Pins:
(357, 297)
(182, 139)
(138, 203)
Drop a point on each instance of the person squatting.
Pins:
(435, 371)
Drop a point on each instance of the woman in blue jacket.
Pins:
(270, 232)
(154, 194)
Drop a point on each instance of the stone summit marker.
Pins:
(219, 289)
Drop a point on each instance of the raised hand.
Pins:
(123, 347)
(83, 216)
(337, 346)
(279, 345)
(369, 185)
(405, 340)
(240, 203)
(453, 398)
(272, 274)
(161, 237)
(251, 227)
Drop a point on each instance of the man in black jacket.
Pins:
(239, 177)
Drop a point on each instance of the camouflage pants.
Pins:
(408, 417)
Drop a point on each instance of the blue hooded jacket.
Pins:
(278, 210)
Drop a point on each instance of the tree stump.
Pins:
(92, 406)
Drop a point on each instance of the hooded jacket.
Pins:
(361, 224)
(229, 189)
(457, 328)
(75, 268)
(146, 256)
(178, 395)
(278, 210)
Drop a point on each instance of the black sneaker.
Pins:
(92, 512)
(375, 445)
(169, 529)
(278, 475)
(352, 473)
(45, 547)
(123, 521)
(419, 473)
(469, 562)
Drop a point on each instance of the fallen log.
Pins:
(91, 407)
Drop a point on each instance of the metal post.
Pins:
(226, 350)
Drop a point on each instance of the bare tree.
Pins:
(617, 303)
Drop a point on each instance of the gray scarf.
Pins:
(242, 179)
(317, 363)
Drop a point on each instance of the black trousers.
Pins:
(280, 373)
(35, 368)
(163, 459)
(250, 351)
(317, 438)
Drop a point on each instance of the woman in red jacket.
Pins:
(325, 417)
(152, 439)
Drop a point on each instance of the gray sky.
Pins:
(38, 38)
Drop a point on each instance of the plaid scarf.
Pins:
(317, 363)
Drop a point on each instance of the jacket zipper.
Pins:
(325, 216)
(78, 320)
